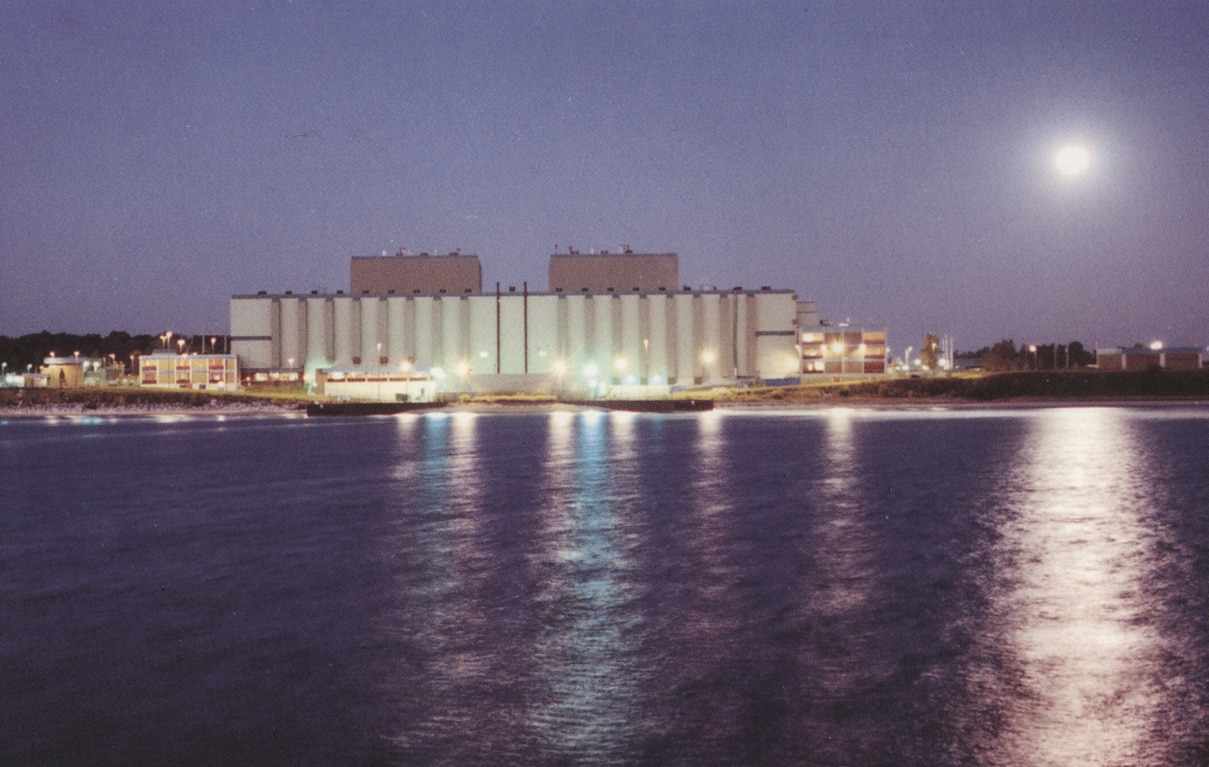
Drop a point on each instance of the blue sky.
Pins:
(893, 162)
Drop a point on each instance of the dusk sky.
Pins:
(893, 162)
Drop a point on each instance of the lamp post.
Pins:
(180, 345)
(1033, 351)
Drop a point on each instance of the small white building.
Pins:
(376, 385)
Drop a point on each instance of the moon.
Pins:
(1072, 160)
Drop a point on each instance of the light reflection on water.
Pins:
(1087, 643)
(584, 652)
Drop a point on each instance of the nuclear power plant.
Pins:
(606, 323)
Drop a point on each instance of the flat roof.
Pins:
(518, 292)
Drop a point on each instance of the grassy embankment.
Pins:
(116, 397)
(992, 387)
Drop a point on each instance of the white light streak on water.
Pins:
(1079, 628)
(581, 659)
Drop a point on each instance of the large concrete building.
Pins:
(403, 273)
(576, 272)
(576, 339)
(525, 341)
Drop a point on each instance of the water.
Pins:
(836, 587)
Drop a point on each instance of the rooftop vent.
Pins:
(289, 292)
(314, 292)
(262, 292)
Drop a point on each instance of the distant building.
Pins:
(70, 372)
(65, 372)
(603, 272)
(842, 350)
(1125, 358)
(402, 273)
(808, 314)
(166, 369)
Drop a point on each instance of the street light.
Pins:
(838, 348)
(180, 344)
(1033, 351)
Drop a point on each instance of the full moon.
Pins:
(1072, 160)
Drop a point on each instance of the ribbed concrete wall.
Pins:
(668, 335)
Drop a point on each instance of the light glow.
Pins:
(1072, 160)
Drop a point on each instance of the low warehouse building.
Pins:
(166, 369)
(1140, 358)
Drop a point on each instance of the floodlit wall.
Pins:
(635, 337)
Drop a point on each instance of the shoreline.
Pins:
(489, 408)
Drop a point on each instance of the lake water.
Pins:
(833, 587)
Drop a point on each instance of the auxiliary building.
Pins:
(615, 324)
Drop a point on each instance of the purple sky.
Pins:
(893, 164)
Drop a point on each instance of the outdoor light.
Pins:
(620, 363)
(463, 369)
(708, 357)
(1156, 346)
(560, 368)
(590, 370)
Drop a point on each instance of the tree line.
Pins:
(28, 351)
(1005, 355)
